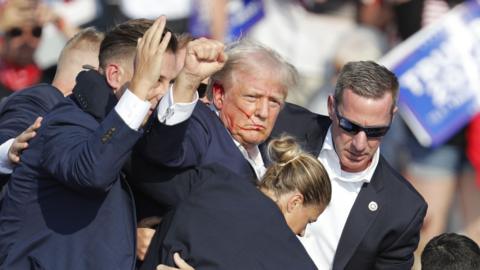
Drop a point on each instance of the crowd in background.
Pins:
(317, 37)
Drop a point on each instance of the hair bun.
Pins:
(284, 149)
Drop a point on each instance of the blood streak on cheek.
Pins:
(249, 117)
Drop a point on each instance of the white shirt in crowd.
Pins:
(321, 237)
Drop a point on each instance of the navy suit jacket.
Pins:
(169, 150)
(19, 110)
(382, 239)
(66, 206)
(221, 221)
(200, 140)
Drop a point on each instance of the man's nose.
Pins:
(359, 141)
(261, 110)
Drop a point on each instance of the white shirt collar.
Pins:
(330, 159)
(253, 155)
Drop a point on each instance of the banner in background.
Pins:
(439, 74)
(242, 15)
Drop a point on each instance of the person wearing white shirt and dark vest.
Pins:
(374, 218)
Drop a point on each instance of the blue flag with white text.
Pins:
(439, 73)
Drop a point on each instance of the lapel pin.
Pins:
(373, 206)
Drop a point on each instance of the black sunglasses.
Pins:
(16, 32)
(352, 128)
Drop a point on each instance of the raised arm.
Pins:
(168, 143)
(85, 156)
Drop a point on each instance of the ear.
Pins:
(113, 74)
(218, 94)
(331, 108)
(294, 202)
(395, 110)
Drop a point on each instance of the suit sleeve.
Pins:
(18, 114)
(179, 146)
(170, 192)
(400, 254)
(86, 158)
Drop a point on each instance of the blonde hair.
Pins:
(295, 170)
(249, 57)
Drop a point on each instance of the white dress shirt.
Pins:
(254, 157)
(171, 113)
(322, 237)
(130, 108)
(6, 166)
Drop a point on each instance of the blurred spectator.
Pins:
(307, 36)
(361, 43)
(450, 251)
(473, 152)
(177, 11)
(22, 30)
(20, 109)
(62, 20)
(75, 12)
(437, 173)
(225, 20)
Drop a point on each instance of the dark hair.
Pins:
(121, 41)
(295, 170)
(451, 251)
(366, 79)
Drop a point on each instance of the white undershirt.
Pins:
(322, 237)
(254, 157)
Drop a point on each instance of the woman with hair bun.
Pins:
(296, 182)
(220, 220)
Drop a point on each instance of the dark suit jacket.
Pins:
(222, 222)
(382, 239)
(168, 150)
(19, 110)
(66, 206)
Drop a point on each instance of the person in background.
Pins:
(20, 111)
(21, 30)
(451, 251)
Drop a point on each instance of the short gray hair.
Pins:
(366, 79)
(248, 57)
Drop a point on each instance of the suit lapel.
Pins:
(362, 215)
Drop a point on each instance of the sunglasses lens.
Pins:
(348, 126)
(14, 32)
(353, 129)
(37, 31)
(376, 132)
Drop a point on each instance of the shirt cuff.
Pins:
(171, 113)
(6, 166)
(132, 109)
